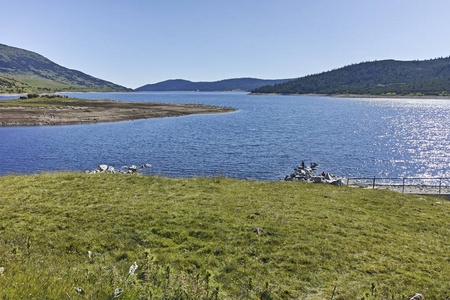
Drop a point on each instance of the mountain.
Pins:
(236, 84)
(386, 77)
(26, 71)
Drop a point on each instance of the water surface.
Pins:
(265, 139)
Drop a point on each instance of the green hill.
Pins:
(23, 71)
(386, 77)
(217, 238)
(235, 84)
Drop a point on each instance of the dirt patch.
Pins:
(98, 111)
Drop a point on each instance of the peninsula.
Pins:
(57, 110)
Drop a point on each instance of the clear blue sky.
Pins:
(135, 42)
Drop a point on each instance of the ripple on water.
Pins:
(264, 140)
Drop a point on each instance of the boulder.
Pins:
(338, 182)
(102, 168)
(308, 174)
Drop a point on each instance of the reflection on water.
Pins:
(264, 140)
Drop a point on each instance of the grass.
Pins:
(37, 81)
(195, 239)
(44, 101)
(30, 83)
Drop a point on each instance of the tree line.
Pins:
(428, 77)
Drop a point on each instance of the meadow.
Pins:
(116, 236)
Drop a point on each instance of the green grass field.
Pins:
(195, 239)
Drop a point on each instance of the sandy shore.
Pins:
(11, 95)
(98, 111)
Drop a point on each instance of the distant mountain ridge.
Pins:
(235, 84)
(25, 71)
(385, 77)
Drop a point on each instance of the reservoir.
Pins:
(264, 140)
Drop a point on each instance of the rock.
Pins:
(308, 174)
(317, 179)
(314, 165)
(303, 173)
(102, 168)
(132, 169)
(338, 182)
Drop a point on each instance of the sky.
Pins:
(137, 42)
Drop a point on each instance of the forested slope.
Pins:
(428, 77)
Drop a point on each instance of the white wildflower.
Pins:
(117, 293)
(133, 269)
(90, 254)
(79, 290)
(2, 270)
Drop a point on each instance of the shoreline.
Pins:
(12, 95)
(276, 94)
(358, 96)
(72, 111)
(391, 96)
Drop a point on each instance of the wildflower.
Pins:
(117, 293)
(2, 270)
(79, 290)
(133, 269)
(90, 254)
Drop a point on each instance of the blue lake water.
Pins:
(264, 140)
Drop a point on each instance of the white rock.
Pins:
(102, 168)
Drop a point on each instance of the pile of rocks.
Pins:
(124, 170)
(308, 174)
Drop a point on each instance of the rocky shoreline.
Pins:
(308, 174)
(80, 111)
(133, 169)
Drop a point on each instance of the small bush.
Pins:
(30, 96)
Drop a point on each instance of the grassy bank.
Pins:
(198, 239)
(44, 101)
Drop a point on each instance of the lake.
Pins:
(264, 140)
